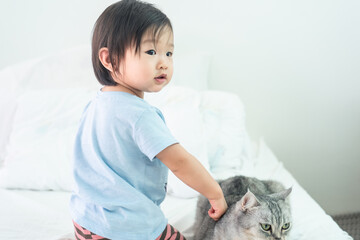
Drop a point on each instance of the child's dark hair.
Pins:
(120, 26)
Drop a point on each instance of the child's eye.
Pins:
(151, 52)
(169, 54)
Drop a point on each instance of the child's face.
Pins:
(151, 68)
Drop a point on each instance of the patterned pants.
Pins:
(170, 233)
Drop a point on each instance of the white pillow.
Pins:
(68, 68)
(7, 110)
(56, 71)
(10, 80)
(180, 107)
(41, 142)
(227, 140)
(39, 152)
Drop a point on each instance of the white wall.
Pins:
(33, 28)
(295, 64)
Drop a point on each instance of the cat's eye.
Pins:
(286, 226)
(265, 227)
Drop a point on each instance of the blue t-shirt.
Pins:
(119, 182)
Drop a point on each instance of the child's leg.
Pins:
(82, 234)
(171, 233)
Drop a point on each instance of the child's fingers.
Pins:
(217, 209)
(213, 214)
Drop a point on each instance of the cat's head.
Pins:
(263, 217)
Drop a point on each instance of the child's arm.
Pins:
(189, 170)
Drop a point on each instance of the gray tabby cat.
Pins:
(260, 214)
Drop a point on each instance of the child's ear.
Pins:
(105, 59)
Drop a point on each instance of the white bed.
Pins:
(40, 103)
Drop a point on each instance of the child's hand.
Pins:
(218, 208)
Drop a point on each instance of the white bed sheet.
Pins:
(45, 215)
(34, 215)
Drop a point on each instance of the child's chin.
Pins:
(157, 88)
(156, 91)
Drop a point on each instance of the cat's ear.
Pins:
(247, 202)
(281, 195)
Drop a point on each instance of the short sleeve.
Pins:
(151, 133)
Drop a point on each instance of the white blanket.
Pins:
(44, 214)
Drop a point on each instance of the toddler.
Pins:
(123, 149)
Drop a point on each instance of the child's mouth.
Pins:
(161, 78)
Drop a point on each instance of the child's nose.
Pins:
(163, 63)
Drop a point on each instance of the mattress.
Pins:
(44, 215)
